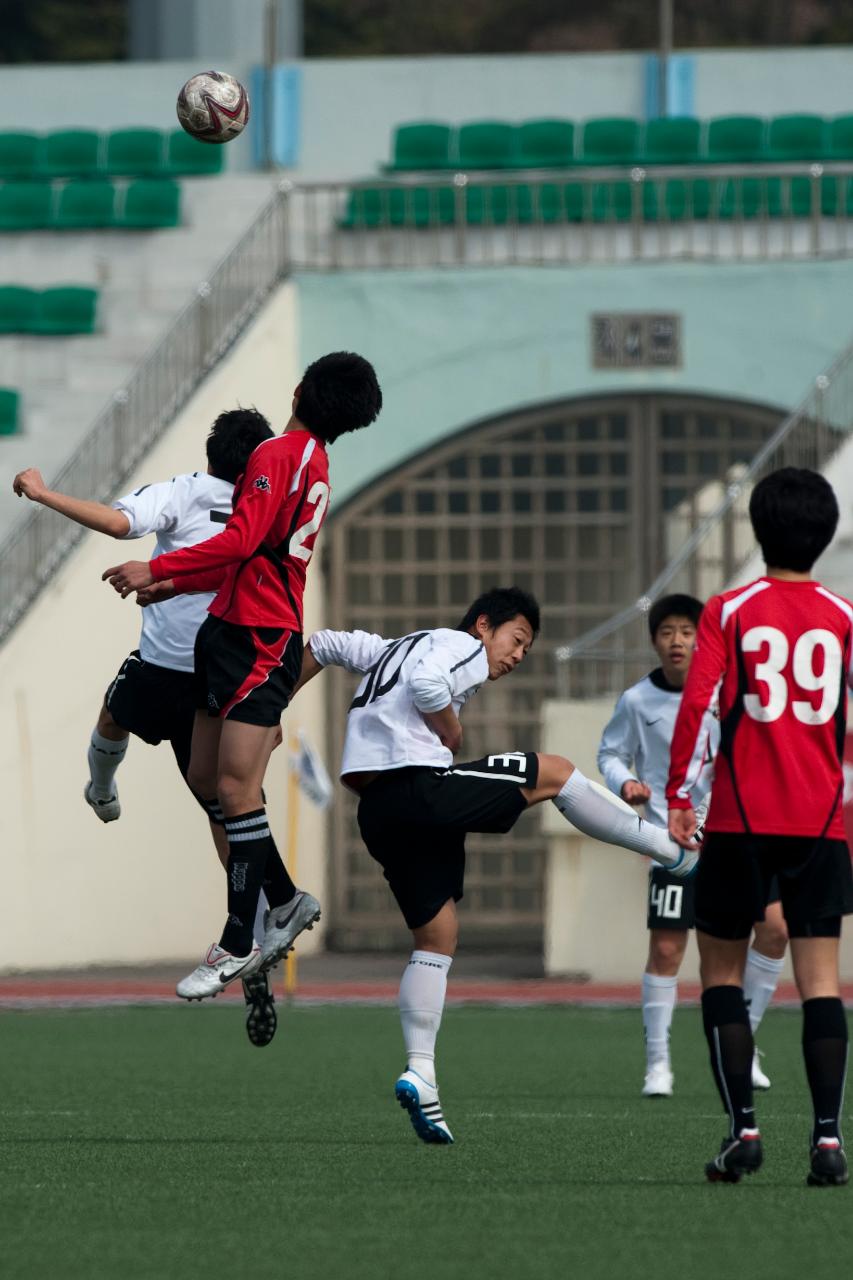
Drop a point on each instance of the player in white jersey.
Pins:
(416, 805)
(633, 757)
(153, 693)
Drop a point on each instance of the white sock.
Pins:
(760, 979)
(105, 756)
(660, 995)
(593, 813)
(422, 991)
(258, 927)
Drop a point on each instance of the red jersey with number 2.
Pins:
(259, 562)
(776, 656)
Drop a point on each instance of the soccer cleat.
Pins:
(261, 1020)
(685, 864)
(420, 1099)
(759, 1079)
(216, 970)
(737, 1157)
(658, 1082)
(283, 925)
(107, 810)
(829, 1164)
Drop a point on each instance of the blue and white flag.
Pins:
(311, 773)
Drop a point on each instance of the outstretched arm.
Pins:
(92, 515)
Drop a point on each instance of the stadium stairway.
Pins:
(144, 279)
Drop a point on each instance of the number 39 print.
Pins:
(815, 668)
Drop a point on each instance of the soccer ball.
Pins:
(213, 107)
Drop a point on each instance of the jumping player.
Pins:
(152, 695)
(779, 653)
(249, 652)
(633, 757)
(416, 805)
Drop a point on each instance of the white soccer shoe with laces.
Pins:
(759, 1079)
(283, 925)
(216, 970)
(420, 1099)
(107, 810)
(658, 1082)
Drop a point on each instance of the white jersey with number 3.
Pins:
(182, 512)
(424, 671)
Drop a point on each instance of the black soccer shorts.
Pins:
(672, 899)
(155, 703)
(414, 822)
(734, 880)
(245, 673)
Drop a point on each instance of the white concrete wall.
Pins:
(595, 894)
(148, 887)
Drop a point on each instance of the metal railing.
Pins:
(717, 545)
(140, 412)
(512, 218)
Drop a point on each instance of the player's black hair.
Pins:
(338, 393)
(674, 606)
(794, 514)
(233, 437)
(502, 604)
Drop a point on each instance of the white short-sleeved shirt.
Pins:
(424, 671)
(181, 512)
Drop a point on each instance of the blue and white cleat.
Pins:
(420, 1099)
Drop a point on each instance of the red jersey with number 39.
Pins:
(258, 564)
(775, 656)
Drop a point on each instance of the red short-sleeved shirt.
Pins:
(258, 564)
(776, 657)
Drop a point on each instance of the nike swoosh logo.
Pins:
(651, 722)
(227, 977)
(279, 924)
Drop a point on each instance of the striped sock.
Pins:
(249, 847)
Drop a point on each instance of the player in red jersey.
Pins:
(777, 655)
(248, 653)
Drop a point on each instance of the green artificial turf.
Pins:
(156, 1142)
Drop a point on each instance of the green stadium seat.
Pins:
(19, 153)
(422, 146)
(151, 203)
(187, 157)
(735, 140)
(486, 144)
(85, 204)
(67, 309)
(25, 206)
(9, 411)
(800, 137)
(612, 202)
(544, 202)
(672, 140)
(71, 153)
(18, 309)
(836, 195)
(839, 139)
(372, 207)
(677, 200)
(135, 152)
(487, 205)
(750, 198)
(611, 141)
(544, 144)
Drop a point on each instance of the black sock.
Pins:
(729, 1037)
(277, 884)
(825, 1051)
(249, 846)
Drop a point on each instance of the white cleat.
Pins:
(107, 810)
(283, 925)
(759, 1079)
(216, 970)
(658, 1082)
(420, 1099)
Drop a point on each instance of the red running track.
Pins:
(34, 993)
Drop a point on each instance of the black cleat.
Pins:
(261, 1020)
(737, 1157)
(829, 1166)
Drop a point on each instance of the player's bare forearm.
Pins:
(131, 576)
(156, 593)
(445, 724)
(682, 827)
(310, 668)
(92, 515)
